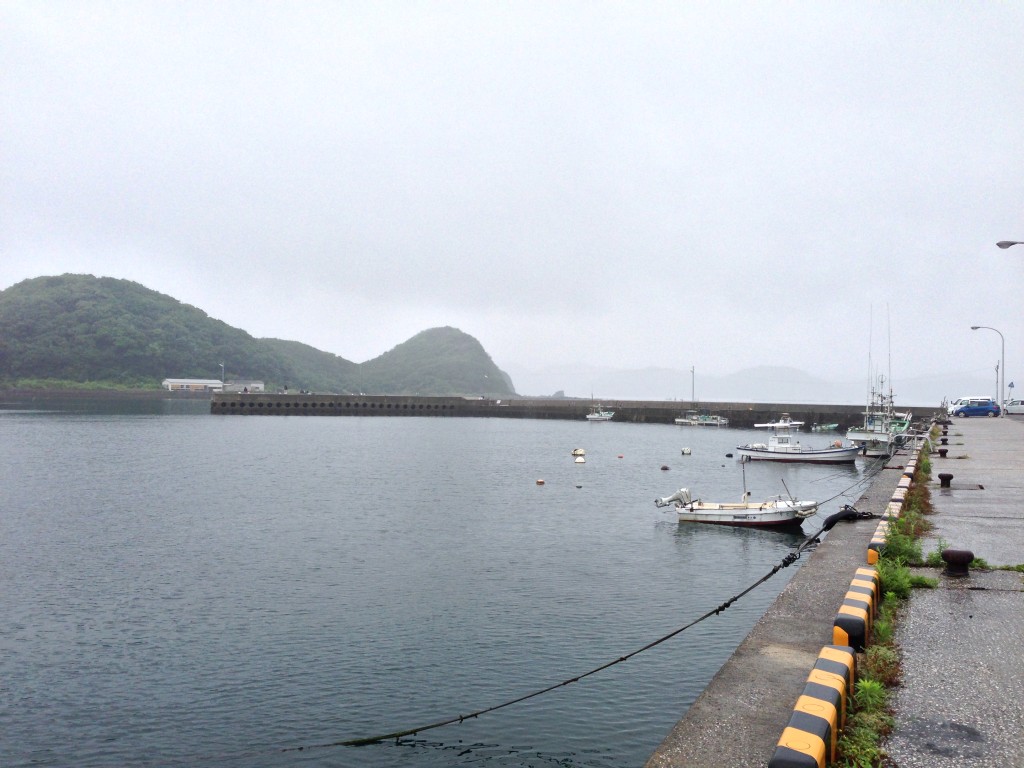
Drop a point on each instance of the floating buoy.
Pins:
(620, 455)
(686, 451)
(728, 455)
(579, 486)
(540, 482)
(664, 466)
(580, 460)
(578, 452)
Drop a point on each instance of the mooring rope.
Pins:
(869, 474)
(847, 513)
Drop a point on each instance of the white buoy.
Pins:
(580, 460)
(578, 452)
(686, 451)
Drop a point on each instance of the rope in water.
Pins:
(847, 513)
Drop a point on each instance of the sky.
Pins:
(705, 186)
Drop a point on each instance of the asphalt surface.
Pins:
(962, 701)
(962, 698)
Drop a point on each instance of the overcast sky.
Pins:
(683, 184)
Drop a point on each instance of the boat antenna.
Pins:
(788, 492)
(871, 370)
(888, 322)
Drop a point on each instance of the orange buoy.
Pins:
(540, 482)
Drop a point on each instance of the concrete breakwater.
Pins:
(635, 411)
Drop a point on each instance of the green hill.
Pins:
(80, 330)
(436, 360)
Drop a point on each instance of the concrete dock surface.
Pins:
(962, 698)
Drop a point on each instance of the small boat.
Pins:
(824, 427)
(782, 446)
(778, 511)
(701, 419)
(598, 413)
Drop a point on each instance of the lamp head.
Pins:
(1004, 244)
(975, 327)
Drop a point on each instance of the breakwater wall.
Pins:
(636, 411)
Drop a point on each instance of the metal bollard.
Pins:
(943, 452)
(944, 478)
(957, 562)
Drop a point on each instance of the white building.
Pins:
(193, 385)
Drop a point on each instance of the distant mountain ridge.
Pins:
(106, 331)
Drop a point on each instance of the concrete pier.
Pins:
(635, 411)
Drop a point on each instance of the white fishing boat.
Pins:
(783, 445)
(694, 418)
(598, 413)
(774, 512)
(884, 429)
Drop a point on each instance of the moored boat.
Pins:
(782, 446)
(884, 429)
(694, 418)
(774, 512)
(598, 413)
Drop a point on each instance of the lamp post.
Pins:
(1004, 244)
(1002, 366)
(222, 376)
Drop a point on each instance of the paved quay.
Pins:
(960, 702)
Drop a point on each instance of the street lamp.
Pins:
(1004, 244)
(1002, 366)
(222, 375)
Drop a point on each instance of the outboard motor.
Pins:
(682, 496)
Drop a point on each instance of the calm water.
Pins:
(186, 590)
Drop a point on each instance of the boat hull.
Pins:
(823, 456)
(777, 514)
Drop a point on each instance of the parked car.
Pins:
(1015, 406)
(977, 406)
(951, 408)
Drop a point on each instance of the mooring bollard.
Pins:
(943, 452)
(943, 441)
(944, 478)
(957, 562)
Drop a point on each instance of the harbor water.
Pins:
(188, 590)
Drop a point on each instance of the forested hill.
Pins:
(80, 330)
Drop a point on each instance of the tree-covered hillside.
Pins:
(434, 360)
(84, 330)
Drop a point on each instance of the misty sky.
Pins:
(683, 184)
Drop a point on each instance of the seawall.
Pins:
(635, 411)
